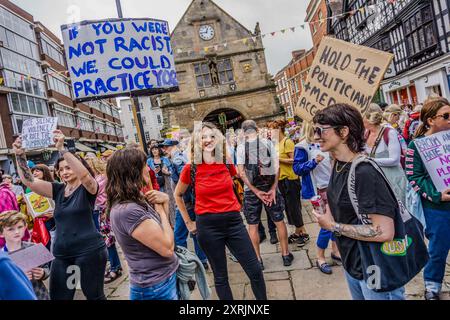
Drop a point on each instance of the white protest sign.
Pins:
(38, 132)
(435, 153)
(342, 72)
(108, 58)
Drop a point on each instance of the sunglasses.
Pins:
(444, 116)
(319, 130)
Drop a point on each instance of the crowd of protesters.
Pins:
(363, 167)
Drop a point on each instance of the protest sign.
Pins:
(38, 205)
(31, 257)
(435, 153)
(38, 132)
(107, 58)
(342, 72)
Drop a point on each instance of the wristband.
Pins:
(336, 230)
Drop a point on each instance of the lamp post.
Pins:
(135, 102)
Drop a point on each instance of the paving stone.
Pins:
(415, 287)
(273, 276)
(273, 262)
(122, 291)
(276, 290)
(314, 285)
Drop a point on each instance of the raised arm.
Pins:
(77, 167)
(40, 187)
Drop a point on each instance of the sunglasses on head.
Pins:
(319, 130)
(444, 116)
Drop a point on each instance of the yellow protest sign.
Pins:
(342, 72)
(38, 205)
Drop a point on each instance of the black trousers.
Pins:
(290, 190)
(214, 232)
(87, 269)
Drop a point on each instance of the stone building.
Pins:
(222, 71)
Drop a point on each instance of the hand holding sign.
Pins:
(17, 147)
(58, 139)
(445, 197)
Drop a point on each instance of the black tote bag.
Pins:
(390, 265)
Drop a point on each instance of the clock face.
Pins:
(206, 32)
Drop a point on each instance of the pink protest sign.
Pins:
(435, 153)
(31, 257)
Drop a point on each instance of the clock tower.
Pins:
(221, 69)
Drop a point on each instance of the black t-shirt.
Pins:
(373, 197)
(76, 234)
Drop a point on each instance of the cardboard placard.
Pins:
(435, 153)
(38, 132)
(342, 72)
(114, 57)
(31, 257)
(38, 205)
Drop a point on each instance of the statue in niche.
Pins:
(214, 73)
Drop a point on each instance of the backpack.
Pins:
(391, 264)
(238, 188)
(255, 171)
(401, 140)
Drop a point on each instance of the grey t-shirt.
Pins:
(146, 266)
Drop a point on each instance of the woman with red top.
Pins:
(218, 219)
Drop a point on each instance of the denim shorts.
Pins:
(253, 208)
(165, 290)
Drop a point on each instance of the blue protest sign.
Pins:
(115, 57)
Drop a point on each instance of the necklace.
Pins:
(340, 170)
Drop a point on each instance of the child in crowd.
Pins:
(12, 229)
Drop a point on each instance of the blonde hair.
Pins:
(97, 165)
(11, 218)
(374, 114)
(308, 132)
(195, 145)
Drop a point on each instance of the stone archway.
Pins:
(225, 118)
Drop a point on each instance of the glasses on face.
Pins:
(319, 130)
(444, 116)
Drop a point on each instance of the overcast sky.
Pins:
(272, 15)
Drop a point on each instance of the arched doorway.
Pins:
(225, 118)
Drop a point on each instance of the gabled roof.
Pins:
(218, 7)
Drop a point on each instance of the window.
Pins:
(384, 44)
(136, 138)
(144, 120)
(52, 49)
(147, 136)
(202, 75)
(18, 63)
(133, 123)
(320, 18)
(25, 104)
(58, 84)
(419, 31)
(65, 116)
(85, 122)
(225, 71)
(158, 117)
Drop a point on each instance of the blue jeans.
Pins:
(114, 259)
(323, 238)
(438, 232)
(165, 290)
(181, 234)
(360, 291)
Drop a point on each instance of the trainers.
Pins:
(430, 295)
(287, 260)
(305, 237)
(273, 238)
(293, 238)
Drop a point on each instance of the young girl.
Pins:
(12, 229)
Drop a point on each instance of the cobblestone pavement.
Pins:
(301, 281)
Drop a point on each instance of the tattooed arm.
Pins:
(381, 230)
(40, 187)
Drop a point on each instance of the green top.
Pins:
(420, 180)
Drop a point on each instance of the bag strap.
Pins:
(351, 189)
(193, 174)
(377, 142)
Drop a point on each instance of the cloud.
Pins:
(272, 16)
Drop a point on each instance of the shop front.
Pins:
(400, 91)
